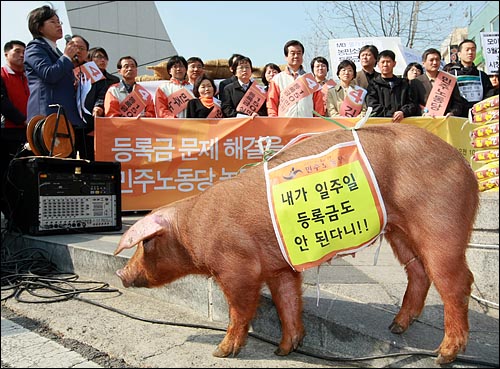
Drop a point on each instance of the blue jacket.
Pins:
(51, 81)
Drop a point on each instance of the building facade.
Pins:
(123, 28)
(485, 20)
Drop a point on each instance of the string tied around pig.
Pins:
(266, 152)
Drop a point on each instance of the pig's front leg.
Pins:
(242, 293)
(286, 291)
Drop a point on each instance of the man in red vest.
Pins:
(15, 93)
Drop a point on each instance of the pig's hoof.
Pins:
(287, 347)
(280, 352)
(396, 328)
(219, 353)
(444, 359)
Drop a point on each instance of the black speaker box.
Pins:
(47, 195)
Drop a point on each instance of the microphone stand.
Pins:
(81, 107)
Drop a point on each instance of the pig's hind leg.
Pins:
(440, 260)
(286, 291)
(418, 280)
(453, 280)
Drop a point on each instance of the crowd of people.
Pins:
(39, 79)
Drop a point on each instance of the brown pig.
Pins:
(431, 198)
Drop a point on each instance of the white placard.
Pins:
(489, 41)
(348, 48)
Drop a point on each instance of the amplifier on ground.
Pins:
(48, 195)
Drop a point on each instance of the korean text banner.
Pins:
(164, 160)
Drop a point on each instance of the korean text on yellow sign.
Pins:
(325, 204)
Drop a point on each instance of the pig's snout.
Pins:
(121, 273)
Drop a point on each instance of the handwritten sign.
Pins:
(348, 48)
(324, 204)
(489, 41)
(440, 94)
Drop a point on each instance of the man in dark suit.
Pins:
(389, 95)
(368, 56)
(421, 86)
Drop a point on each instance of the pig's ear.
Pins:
(143, 229)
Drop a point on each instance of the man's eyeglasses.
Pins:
(100, 57)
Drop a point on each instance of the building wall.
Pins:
(453, 39)
(486, 20)
(123, 28)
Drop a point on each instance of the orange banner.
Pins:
(164, 160)
(167, 159)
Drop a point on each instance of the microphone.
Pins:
(68, 39)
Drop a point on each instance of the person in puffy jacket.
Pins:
(389, 95)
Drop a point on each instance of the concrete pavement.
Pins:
(25, 349)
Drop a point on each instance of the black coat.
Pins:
(233, 93)
(461, 70)
(492, 92)
(223, 84)
(421, 88)
(196, 109)
(386, 100)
